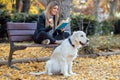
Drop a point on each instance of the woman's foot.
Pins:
(58, 41)
(46, 41)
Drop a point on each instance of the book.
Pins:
(63, 24)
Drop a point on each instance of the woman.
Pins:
(47, 22)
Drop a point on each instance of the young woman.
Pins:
(47, 22)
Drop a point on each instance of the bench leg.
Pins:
(10, 54)
(10, 58)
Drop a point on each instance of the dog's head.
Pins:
(80, 38)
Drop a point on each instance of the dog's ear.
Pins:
(75, 35)
(75, 32)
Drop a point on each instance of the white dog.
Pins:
(62, 58)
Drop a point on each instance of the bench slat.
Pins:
(20, 38)
(23, 26)
(21, 32)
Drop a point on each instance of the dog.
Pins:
(62, 57)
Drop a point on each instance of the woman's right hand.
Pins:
(51, 22)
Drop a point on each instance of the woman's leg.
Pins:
(44, 35)
(62, 36)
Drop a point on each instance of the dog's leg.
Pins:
(70, 68)
(64, 68)
(49, 71)
(65, 71)
(49, 67)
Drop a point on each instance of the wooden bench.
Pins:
(20, 32)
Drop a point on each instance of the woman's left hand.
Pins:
(62, 29)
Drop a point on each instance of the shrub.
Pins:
(24, 17)
(4, 17)
(16, 17)
(84, 23)
(105, 27)
(117, 26)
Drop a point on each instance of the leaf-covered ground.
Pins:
(100, 68)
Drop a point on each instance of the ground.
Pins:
(100, 68)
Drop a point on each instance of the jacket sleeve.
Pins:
(41, 24)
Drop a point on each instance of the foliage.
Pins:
(91, 26)
(116, 25)
(2, 5)
(83, 22)
(16, 17)
(101, 44)
(105, 27)
(24, 17)
(4, 17)
(4, 1)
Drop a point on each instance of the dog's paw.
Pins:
(71, 73)
(66, 75)
(50, 73)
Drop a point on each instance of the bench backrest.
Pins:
(20, 31)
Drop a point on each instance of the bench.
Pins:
(20, 32)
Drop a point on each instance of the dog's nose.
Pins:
(87, 40)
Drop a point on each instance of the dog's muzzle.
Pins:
(83, 44)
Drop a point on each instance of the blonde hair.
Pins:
(47, 12)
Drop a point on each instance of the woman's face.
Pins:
(54, 10)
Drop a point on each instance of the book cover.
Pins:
(63, 24)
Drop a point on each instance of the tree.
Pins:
(113, 6)
(96, 2)
(26, 6)
(18, 5)
(22, 5)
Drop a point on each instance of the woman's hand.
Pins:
(62, 29)
(51, 22)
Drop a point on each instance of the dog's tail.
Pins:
(38, 73)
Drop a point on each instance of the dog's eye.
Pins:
(81, 35)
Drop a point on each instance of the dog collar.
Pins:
(71, 43)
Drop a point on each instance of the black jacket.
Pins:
(41, 26)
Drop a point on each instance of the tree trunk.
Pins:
(22, 5)
(96, 2)
(18, 5)
(44, 2)
(26, 6)
(118, 6)
(13, 5)
(113, 5)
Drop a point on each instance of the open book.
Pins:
(63, 24)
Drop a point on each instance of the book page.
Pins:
(62, 24)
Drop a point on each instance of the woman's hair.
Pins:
(50, 6)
